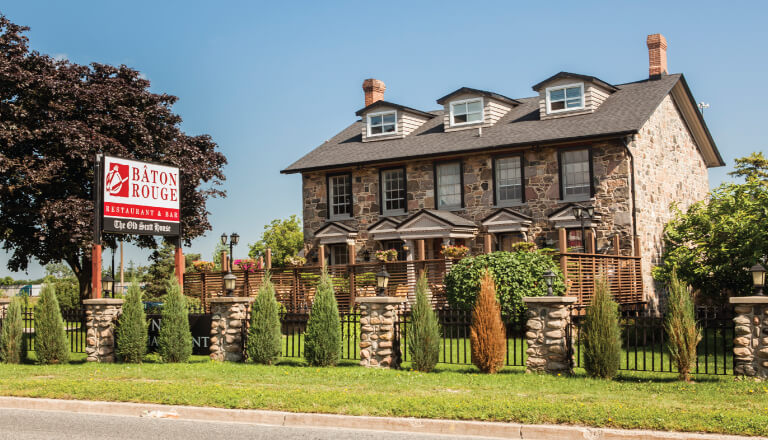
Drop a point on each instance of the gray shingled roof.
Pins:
(624, 112)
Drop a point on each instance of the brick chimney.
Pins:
(657, 56)
(374, 90)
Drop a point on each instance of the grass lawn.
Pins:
(634, 400)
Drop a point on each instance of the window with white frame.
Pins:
(339, 254)
(467, 111)
(382, 123)
(575, 174)
(448, 185)
(340, 196)
(562, 98)
(509, 180)
(393, 191)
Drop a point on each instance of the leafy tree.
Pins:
(424, 338)
(217, 255)
(163, 267)
(754, 166)
(285, 237)
(600, 334)
(55, 116)
(683, 335)
(322, 342)
(132, 336)
(265, 335)
(58, 271)
(11, 342)
(67, 294)
(516, 274)
(174, 340)
(487, 333)
(51, 345)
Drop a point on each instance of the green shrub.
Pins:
(424, 339)
(600, 334)
(174, 340)
(680, 324)
(265, 335)
(132, 336)
(487, 334)
(11, 342)
(68, 294)
(51, 345)
(516, 274)
(322, 343)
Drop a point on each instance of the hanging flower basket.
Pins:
(455, 252)
(295, 260)
(387, 255)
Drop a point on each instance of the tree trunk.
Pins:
(81, 266)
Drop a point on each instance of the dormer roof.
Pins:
(561, 75)
(376, 104)
(495, 96)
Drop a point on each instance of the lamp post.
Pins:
(549, 277)
(106, 284)
(382, 280)
(581, 213)
(758, 278)
(230, 279)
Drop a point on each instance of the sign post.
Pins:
(135, 197)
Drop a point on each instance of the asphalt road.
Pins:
(45, 425)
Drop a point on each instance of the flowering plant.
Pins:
(202, 266)
(246, 264)
(459, 251)
(295, 260)
(387, 255)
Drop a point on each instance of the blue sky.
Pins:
(269, 81)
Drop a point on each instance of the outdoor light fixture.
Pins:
(233, 239)
(549, 278)
(224, 239)
(382, 280)
(229, 283)
(758, 278)
(582, 213)
(106, 283)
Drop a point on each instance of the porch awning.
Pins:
(384, 229)
(335, 232)
(507, 220)
(563, 218)
(429, 223)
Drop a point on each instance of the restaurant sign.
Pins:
(140, 197)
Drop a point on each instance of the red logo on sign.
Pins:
(117, 180)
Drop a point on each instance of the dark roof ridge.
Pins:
(494, 95)
(397, 106)
(589, 78)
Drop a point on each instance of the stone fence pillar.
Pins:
(378, 321)
(227, 327)
(547, 334)
(4, 306)
(100, 316)
(750, 346)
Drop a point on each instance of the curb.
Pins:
(392, 424)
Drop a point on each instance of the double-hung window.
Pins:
(448, 184)
(562, 98)
(575, 174)
(340, 196)
(393, 191)
(509, 180)
(339, 254)
(467, 111)
(382, 123)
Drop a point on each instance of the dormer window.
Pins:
(564, 98)
(382, 123)
(467, 111)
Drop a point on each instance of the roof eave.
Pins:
(700, 120)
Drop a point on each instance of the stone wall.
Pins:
(750, 345)
(668, 168)
(101, 317)
(378, 323)
(228, 321)
(542, 189)
(547, 334)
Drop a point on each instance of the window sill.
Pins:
(578, 200)
(510, 205)
(337, 219)
(394, 214)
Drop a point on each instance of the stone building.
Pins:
(486, 170)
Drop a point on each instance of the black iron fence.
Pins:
(74, 324)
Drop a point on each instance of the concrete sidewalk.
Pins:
(390, 424)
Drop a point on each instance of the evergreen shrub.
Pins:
(265, 335)
(132, 336)
(516, 274)
(11, 337)
(424, 337)
(601, 335)
(322, 341)
(51, 344)
(487, 333)
(680, 323)
(174, 340)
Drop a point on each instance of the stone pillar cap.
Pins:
(103, 301)
(549, 299)
(748, 300)
(230, 299)
(5, 300)
(381, 300)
